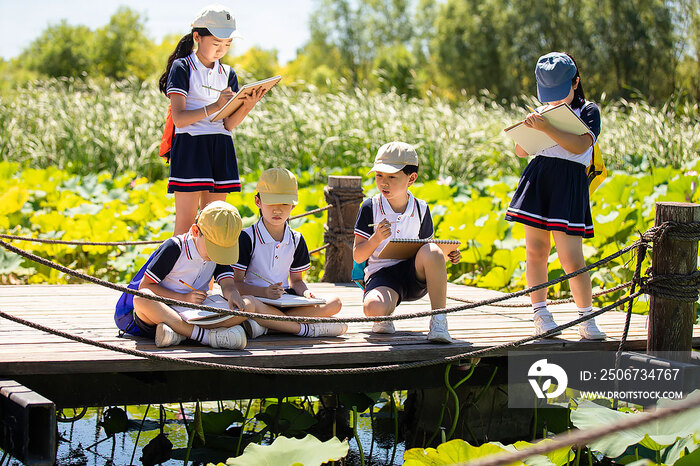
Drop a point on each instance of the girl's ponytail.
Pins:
(183, 49)
(579, 96)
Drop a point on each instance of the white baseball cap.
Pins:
(393, 156)
(218, 20)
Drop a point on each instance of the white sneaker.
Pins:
(253, 329)
(385, 326)
(327, 329)
(438, 329)
(590, 331)
(165, 336)
(230, 338)
(544, 322)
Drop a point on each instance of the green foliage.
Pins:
(286, 419)
(308, 451)
(658, 436)
(61, 50)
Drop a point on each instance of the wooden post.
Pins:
(671, 321)
(346, 190)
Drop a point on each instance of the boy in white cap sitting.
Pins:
(395, 213)
(181, 268)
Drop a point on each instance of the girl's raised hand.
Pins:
(455, 256)
(195, 297)
(224, 97)
(274, 291)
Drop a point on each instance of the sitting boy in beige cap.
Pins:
(181, 268)
(273, 258)
(395, 213)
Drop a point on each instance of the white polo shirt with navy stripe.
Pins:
(590, 115)
(178, 259)
(259, 252)
(414, 223)
(187, 76)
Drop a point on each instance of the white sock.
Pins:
(582, 311)
(200, 334)
(539, 306)
(305, 330)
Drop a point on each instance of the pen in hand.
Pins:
(187, 285)
(532, 110)
(213, 88)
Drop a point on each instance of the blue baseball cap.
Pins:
(554, 73)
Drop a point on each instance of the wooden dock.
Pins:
(76, 374)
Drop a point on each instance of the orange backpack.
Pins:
(166, 141)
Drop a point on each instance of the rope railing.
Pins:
(173, 302)
(336, 371)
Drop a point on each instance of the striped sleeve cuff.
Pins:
(174, 90)
(224, 275)
(150, 275)
(240, 267)
(362, 234)
(302, 268)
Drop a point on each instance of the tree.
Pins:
(122, 49)
(61, 50)
(258, 63)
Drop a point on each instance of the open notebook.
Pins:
(292, 300)
(237, 100)
(560, 116)
(401, 248)
(196, 316)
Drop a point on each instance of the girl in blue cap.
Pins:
(203, 165)
(552, 195)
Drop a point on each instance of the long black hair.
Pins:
(579, 96)
(183, 49)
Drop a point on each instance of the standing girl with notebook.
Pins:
(552, 195)
(203, 165)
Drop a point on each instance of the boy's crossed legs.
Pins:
(430, 272)
(257, 327)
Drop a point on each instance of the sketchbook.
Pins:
(237, 100)
(561, 117)
(292, 300)
(401, 248)
(205, 317)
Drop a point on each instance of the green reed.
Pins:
(87, 127)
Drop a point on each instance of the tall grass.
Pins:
(88, 127)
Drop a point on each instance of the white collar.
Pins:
(385, 207)
(190, 249)
(265, 237)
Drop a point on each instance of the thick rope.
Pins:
(550, 302)
(311, 212)
(341, 371)
(80, 243)
(673, 230)
(314, 251)
(678, 287)
(580, 438)
(173, 302)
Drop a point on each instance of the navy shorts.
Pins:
(203, 163)
(401, 278)
(148, 330)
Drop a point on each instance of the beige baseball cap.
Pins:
(218, 20)
(221, 225)
(278, 186)
(393, 156)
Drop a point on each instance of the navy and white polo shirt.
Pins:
(178, 259)
(259, 252)
(590, 115)
(414, 222)
(187, 75)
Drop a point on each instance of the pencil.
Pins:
(187, 285)
(213, 88)
(375, 224)
(531, 109)
(261, 277)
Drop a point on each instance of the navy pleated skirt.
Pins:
(553, 195)
(205, 162)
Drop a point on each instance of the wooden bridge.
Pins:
(76, 374)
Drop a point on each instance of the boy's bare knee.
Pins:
(139, 301)
(374, 308)
(430, 252)
(334, 305)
